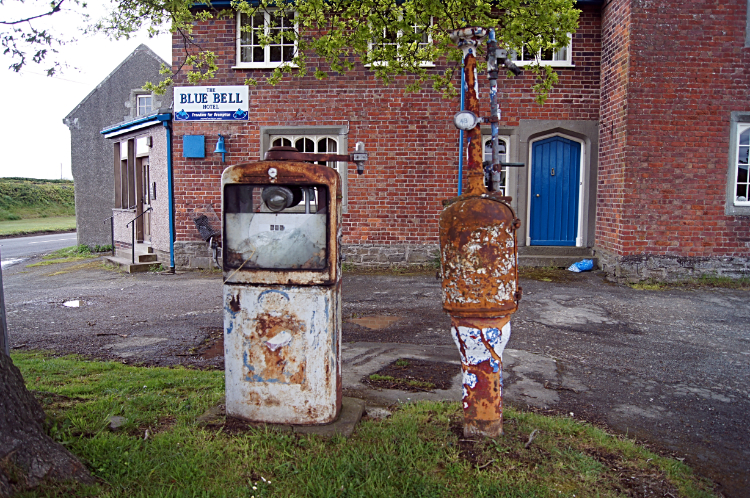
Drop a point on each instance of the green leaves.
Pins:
(392, 37)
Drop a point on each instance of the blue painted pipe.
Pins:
(170, 188)
(461, 133)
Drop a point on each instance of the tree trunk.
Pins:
(28, 456)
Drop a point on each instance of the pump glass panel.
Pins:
(280, 227)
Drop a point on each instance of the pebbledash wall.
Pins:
(391, 212)
(675, 80)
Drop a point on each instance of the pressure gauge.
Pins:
(465, 120)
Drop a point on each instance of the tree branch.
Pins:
(55, 9)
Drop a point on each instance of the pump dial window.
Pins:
(280, 227)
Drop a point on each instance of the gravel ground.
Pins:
(671, 368)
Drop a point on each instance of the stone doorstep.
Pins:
(127, 265)
(349, 416)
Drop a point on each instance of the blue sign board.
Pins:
(211, 103)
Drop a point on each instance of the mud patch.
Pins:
(213, 345)
(408, 374)
(375, 322)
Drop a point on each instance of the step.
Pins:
(558, 261)
(127, 264)
(147, 258)
(555, 251)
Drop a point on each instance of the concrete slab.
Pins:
(351, 413)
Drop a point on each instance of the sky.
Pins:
(36, 143)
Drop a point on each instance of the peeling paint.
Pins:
(279, 340)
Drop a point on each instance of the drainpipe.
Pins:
(170, 188)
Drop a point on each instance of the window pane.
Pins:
(258, 55)
(742, 174)
(144, 105)
(287, 53)
(275, 53)
(561, 54)
(742, 155)
(292, 238)
(745, 137)
(742, 193)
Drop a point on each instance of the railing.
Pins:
(132, 239)
(111, 220)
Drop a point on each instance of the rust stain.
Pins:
(281, 364)
(234, 303)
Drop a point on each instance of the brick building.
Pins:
(648, 128)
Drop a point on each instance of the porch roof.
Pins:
(155, 117)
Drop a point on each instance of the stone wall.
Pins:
(390, 255)
(666, 268)
(192, 254)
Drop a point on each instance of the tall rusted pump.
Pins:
(282, 287)
(479, 265)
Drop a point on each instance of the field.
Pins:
(29, 205)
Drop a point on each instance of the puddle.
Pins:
(375, 322)
(9, 262)
(76, 303)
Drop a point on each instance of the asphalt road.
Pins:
(19, 248)
(671, 368)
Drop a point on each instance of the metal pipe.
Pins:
(461, 135)
(468, 39)
(170, 191)
(494, 111)
(4, 340)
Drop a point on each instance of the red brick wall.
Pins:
(610, 202)
(411, 139)
(688, 71)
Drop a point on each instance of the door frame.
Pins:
(581, 184)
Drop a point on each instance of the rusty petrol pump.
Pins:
(479, 256)
(282, 287)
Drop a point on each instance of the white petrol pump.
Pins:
(282, 287)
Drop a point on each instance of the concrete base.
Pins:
(350, 415)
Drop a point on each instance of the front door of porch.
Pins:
(555, 180)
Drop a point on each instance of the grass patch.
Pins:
(702, 282)
(38, 225)
(427, 386)
(65, 255)
(418, 452)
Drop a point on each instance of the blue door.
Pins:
(555, 165)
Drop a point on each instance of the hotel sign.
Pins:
(211, 103)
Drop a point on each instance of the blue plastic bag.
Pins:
(584, 265)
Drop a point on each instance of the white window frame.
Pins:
(266, 63)
(487, 155)
(739, 123)
(138, 104)
(338, 133)
(566, 61)
(399, 35)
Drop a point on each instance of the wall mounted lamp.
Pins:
(221, 147)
